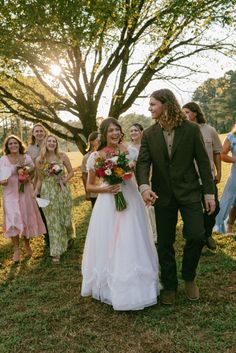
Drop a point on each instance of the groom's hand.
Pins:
(149, 197)
(210, 206)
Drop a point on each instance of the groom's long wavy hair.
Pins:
(104, 129)
(172, 114)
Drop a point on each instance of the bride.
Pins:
(120, 264)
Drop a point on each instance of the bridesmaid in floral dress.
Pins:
(52, 184)
(21, 213)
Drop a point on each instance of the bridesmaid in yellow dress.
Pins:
(21, 214)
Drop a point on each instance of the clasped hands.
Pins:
(149, 197)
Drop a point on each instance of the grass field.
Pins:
(42, 310)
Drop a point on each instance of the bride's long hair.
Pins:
(103, 131)
(44, 150)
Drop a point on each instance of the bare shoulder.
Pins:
(63, 156)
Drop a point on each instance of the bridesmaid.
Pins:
(228, 199)
(55, 188)
(136, 133)
(92, 145)
(21, 213)
(38, 135)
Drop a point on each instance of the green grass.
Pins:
(42, 310)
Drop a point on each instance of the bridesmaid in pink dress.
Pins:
(21, 214)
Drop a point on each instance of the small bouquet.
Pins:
(23, 176)
(114, 168)
(55, 169)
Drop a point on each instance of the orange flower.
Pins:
(118, 171)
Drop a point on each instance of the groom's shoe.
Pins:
(168, 297)
(191, 290)
(210, 243)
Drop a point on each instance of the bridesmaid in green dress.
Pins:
(52, 184)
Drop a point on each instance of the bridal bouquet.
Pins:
(23, 176)
(114, 168)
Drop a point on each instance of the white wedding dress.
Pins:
(120, 264)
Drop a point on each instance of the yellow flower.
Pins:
(118, 171)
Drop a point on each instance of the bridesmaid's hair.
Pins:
(172, 112)
(103, 131)
(6, 150)
(138, 126)
(195, 108)
(92, 137)
(44, 151)
(32, 137)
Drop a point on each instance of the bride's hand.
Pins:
(113, 189)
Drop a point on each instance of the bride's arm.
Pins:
(92, 187)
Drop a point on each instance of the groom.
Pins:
(171, 146)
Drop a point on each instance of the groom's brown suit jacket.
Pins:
(175, 175)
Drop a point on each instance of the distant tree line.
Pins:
(217, 97)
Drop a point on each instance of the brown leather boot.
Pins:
(210, 243)
(168, 297)
(191, 290)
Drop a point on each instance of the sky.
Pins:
(214, 66)
(211, 64)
